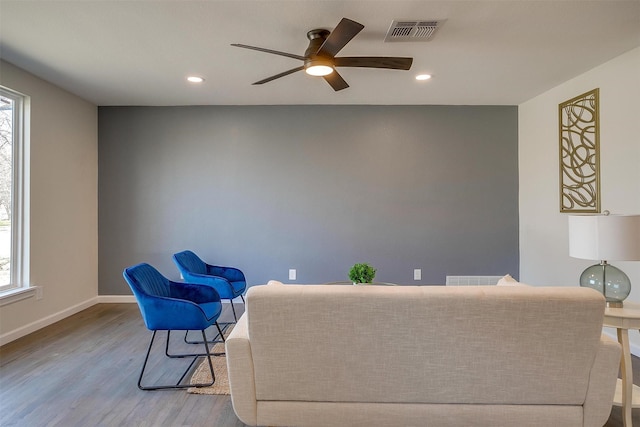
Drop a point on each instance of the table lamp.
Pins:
(605, 238)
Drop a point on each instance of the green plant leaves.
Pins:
(362, 273)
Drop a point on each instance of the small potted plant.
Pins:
(362, 273)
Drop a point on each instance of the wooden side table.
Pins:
(627, 394)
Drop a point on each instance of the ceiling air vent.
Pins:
(412, 31)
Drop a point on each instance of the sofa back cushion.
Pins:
(429, 344)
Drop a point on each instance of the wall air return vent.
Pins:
(412, 31)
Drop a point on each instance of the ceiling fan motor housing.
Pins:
(318, 33)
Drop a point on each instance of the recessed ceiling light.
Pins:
(195, 79)
(423, 76)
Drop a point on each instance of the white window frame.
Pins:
(19, 287)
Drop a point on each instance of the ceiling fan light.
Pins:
(319, 70)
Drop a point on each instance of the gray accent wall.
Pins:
(315, 188)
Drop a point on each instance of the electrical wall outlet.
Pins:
(417, 274)
(292, 274)
(38, 292)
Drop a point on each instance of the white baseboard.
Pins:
(120, 299)
(116, 299)
(635, 350)
(45, 321)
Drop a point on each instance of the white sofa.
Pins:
(319, 355)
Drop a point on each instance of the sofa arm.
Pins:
(602, 383)
(241, 377)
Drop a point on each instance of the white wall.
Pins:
(64, 205)
(544, 247)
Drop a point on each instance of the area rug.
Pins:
(203, 375)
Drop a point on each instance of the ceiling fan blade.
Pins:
(374, 62)
(339, 37)
(336, 81)
(277, 76)
(275, 52)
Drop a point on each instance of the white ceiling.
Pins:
(139, 52)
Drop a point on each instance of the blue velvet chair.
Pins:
(167, 305)
(228, 281)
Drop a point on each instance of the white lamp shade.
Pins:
(605, 237)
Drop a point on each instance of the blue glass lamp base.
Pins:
(610, 281)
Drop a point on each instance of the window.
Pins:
(14, 187)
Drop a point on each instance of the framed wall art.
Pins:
(580, 153)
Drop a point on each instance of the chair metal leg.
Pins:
(178, 356)
(234, 310)
(207, 354)
(213, 375)
(215, 339)
(220, 332)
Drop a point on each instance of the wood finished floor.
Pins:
(82, 371)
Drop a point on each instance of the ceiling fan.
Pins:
(320, 60)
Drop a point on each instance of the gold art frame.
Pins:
(579, 127)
